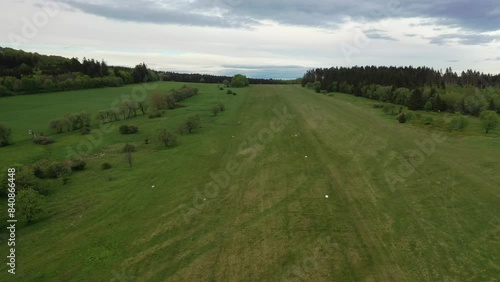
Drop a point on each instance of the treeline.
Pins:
(409, 77)
(30, 73)
(172, 98)
(418, 88)
(206, 78)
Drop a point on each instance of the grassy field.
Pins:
(243, 199)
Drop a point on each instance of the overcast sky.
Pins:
(259, 38)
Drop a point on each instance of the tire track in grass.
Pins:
(337, 177)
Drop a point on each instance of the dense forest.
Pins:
(418, 88)
(30, 73)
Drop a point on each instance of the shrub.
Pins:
(128, 148)
(43, 140)
(229, 92)
(222, 107)
(40, 168)
(401, 118)
(457, 122)
(428, 106)
(60, 125)
(106, 166)
(78, 165)
(128, 129)
(167, 138)
(24, 179)
(427, 120)
(389, 109)
(85, 130)
(192, 123)
(489, 120)
(221, 88)
(30, 204)
(58, 170)
(411, 115)
(234, 93)
(239, 80)
(215, 110)
(5, 133)
(155, 114)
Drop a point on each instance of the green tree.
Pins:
(401, 95)
(215, 110)
(158, 101)
(48, 85)
(192, 123)
(30, 204)
(24, 69)
(474, 104)
(489, 120)
(167, 138)
(428, 106)
(457, 122)
(143, 106)
(239, 80)
(140, 73)
(5, 133)
(58, 170)
(415, 102)
(60, 125)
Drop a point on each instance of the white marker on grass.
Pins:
(326, 196)
(152, 186)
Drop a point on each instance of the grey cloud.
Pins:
(480, 15)
(493, 59)
(465, 39)
(157, 12)
(378, 34)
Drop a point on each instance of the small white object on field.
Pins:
(306, 157)
(205, 199)
(152, 186)
(233, 136)
(326, 196)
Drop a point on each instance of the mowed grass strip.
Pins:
(271, 221)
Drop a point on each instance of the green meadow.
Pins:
(284, 185)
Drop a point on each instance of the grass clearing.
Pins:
(271, 221)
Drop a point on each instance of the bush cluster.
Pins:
(128, 129)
